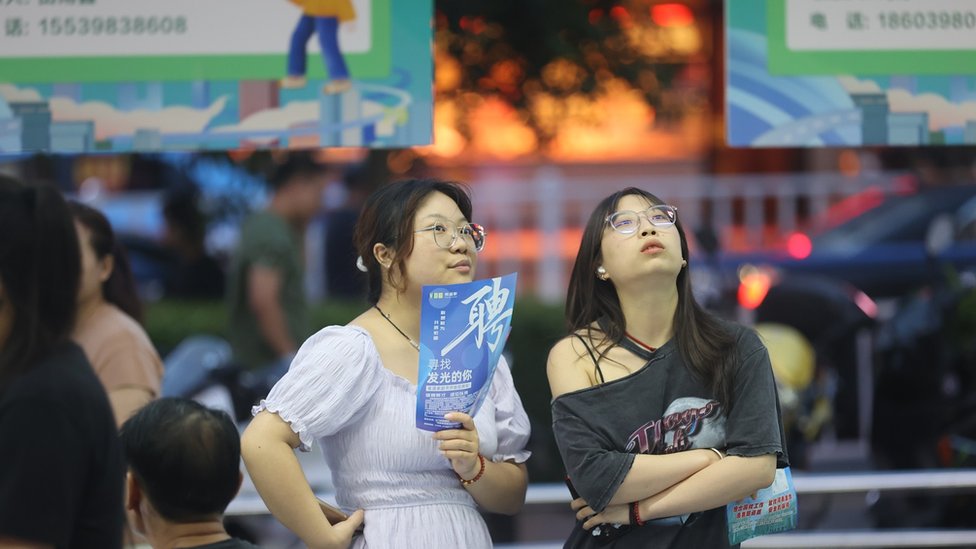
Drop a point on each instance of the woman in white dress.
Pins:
(353, 389)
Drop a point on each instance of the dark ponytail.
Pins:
(120, 287)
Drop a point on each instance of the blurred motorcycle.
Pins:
(804, 397)
(837, 320)
(925, 401)
(202, 368)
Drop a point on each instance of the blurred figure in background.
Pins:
(197, 275)
(341, 281)
(184, 469)
(109, 313)
(266, 286)
(61, 467)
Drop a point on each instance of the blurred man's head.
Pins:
(184, 460)
(298, 182)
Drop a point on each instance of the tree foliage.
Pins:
(536, 54)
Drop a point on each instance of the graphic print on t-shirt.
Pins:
(688, 422)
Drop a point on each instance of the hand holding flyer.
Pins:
(463, 329)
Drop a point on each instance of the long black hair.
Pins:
(40, 269)
(119, 288)
(387, 218)
(705, 344)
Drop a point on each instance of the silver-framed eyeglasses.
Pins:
(446, 234)
(628, 221)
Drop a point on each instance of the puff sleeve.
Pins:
(510, 417)
(328, 385)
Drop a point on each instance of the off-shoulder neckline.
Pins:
(660, 353)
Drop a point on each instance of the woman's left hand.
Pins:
(460, 446)
(612, 514)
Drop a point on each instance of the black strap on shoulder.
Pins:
(599, 372)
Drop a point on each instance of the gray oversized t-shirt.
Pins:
(662, 408)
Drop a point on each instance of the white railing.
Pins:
(806, 484)
(919, 538)
(548, 201)
(249, 503)
(818, 483)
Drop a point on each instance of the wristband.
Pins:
(635, 514)
(476, 477)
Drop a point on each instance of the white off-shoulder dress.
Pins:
(338, 392)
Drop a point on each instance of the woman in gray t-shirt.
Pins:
(663, 413)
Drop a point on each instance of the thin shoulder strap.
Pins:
(599, 372)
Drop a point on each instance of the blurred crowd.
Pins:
(75, 366)
(69, 297)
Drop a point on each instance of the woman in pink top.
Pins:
(109, 312)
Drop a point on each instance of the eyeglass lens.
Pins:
(627, 221)
(446, 232)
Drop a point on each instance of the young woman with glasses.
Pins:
(353, 388)
(663, 413)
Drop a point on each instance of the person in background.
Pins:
(353, 390)
(663, 413)
(266, 288)
(61, 467)
(197, 275)
(184, 469)
(109, 313)
(340, 250)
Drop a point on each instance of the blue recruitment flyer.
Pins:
(772, 510)
(463, 329)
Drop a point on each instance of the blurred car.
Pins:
(884, 251)
(828, 286)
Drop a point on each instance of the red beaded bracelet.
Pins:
(476, 477)
(635, 513)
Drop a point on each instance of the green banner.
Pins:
(33, 28)
(899, 24)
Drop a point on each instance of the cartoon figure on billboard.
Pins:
(182, 90)
(321, 17)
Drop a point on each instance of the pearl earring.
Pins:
(601, 273)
